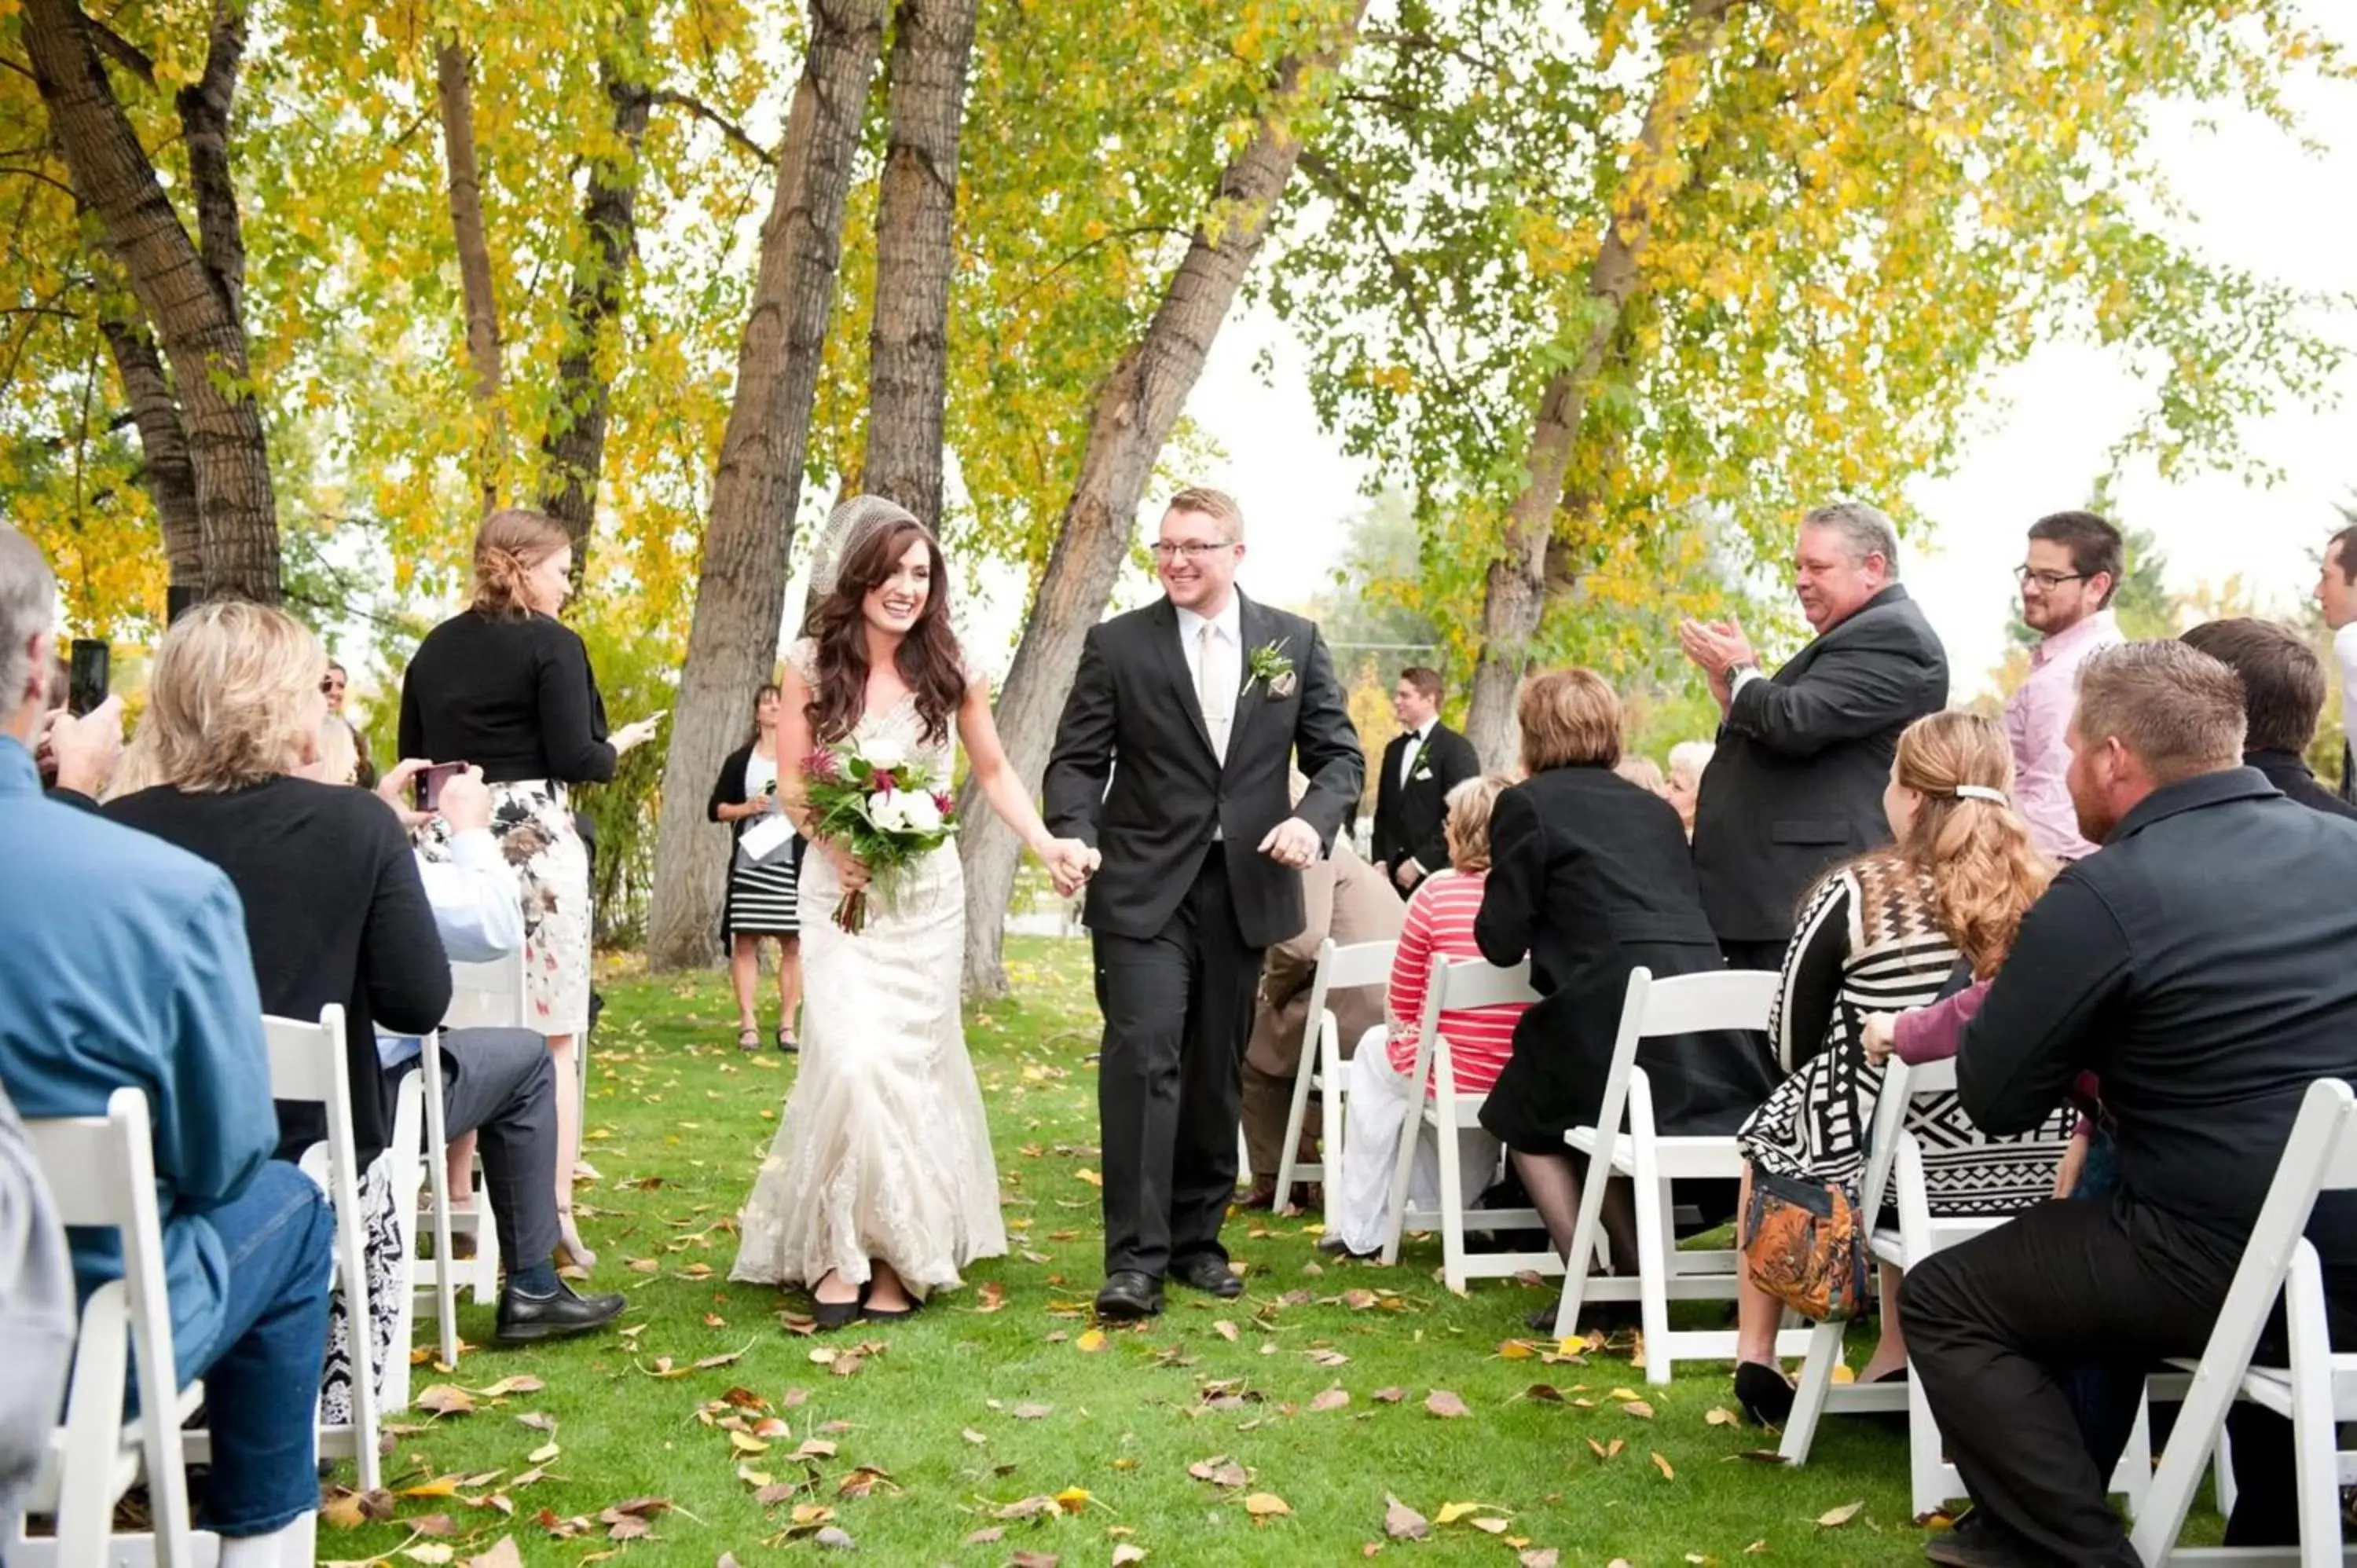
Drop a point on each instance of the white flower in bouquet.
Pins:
(886, 808)
(919, 812)
(884, 753)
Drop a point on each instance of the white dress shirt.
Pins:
(478, 909)
(1226, 675)
(1413, 751)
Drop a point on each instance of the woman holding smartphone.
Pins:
(505, 686)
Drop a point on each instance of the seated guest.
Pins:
(123, 963)
(334, 911)
(1644, 773)
(2283, 698)
(2198, 963)
(1350, 901)
(498, 1082)
(1881, 934)
(1687, 760)
(1590, 878)
(1439, 930)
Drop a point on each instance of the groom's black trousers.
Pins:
(1178, 1008)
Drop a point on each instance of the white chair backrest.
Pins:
(307, 1059)
(1469, 984)
(101, 1167)
(1341, 968)
(1902, 1084)
(1717, 999)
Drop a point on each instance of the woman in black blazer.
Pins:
(763, 897)
(1590, 878)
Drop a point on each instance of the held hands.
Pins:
(1292, 843)
(1070, 864)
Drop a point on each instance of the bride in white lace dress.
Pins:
(880, 1188)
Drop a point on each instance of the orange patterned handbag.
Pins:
(1805, 1244)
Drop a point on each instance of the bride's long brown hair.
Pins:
(928, 657)
(1983, 871)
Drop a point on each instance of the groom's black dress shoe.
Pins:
(1128, 1295)
(1208, 1273)
(524, 1318)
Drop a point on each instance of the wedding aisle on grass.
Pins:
(999, 1427)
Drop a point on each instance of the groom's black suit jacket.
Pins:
(1133, 719)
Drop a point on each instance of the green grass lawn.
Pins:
(996, 1425)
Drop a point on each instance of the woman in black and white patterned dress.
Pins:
(1882, 934)
(763, 896)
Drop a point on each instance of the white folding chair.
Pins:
(102, 1173)
(1338, 969)
(446, 1273)
(1651, 1009)
(1450, 1114)
(1895, 1171)
(408, 1155)
(306, 1065)
(2315, 1389)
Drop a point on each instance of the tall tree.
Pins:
(454, 90)
(1136, 407)
(908, 343)
(191, 292)
(740, 590)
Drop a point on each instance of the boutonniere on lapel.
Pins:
(1269, 665)
(1422, 774)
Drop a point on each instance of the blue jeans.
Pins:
(262, 1372)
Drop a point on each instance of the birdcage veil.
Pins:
(853, 520)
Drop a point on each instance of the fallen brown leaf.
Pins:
(1834, 1519)
(1539, 1557)
(1031, 1411)
(1126, 1554)
(1330, 1399)
(447, 1399)
(1266, 1505)
(1402, 1522)
(1446, 1404)
(834, 1538)
(1225, 1330)
(1389, 1396)
(1639, 1409)
(503, 1554)
(1663, 1466)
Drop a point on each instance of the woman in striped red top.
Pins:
(1438, 930)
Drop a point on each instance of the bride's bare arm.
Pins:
(794, 746)
(986, 757)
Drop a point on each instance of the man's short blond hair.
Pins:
(1568, 717)
(234, 699)
(1211, 503)
(2176, 709)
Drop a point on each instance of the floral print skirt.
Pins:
(532, 821)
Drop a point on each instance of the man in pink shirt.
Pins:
(2073, 564)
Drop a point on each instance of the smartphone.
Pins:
(430, 781)
(86, 679)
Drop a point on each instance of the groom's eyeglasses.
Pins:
(1189, 549)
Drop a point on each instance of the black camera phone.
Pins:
(86, 675)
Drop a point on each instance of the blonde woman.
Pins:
(1881, 934)
(1438, 930)
(507, 687)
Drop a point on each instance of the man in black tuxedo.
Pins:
(1193, 708)
(1804, 755)
(1424, 762)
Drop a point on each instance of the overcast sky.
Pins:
(2258, 201)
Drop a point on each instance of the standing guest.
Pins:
(2283, 697)
(1883, 934)
(1802, 757)
(2074, 562)
(2336, 590)
(762, 901)
(364, 765)
(1205, 697)
(507, 687)
(1382, 1098)
(1687, 760)
(1422, 763)
(123, 963)
(1589, 878)
(2199, 965)
(1349, 901)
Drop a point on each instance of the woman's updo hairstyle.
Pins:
(509, 545)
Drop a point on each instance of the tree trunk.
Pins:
(164, 468)
(1516, 590)
(1136, 408)
(190, 299)
(732, 640)
(454, 83)
(907, 344)
(574, 446)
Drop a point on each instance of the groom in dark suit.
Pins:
(1424, 762)
(1805, 754)
(1193, 709)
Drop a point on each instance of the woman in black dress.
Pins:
(506, 686)
(1590, 877)
(763, 900)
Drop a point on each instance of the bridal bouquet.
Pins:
(881, 806)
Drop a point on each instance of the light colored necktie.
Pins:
(1210, 692)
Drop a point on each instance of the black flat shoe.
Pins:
(526, 1319)
(1127, 1297)
(787, 1043)
(836, 1313)
(1335, 1247)
(879, 1315)
(1209, 1274)
(1979, 1541)
(1763, 1393)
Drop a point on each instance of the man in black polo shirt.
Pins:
(2200, 965)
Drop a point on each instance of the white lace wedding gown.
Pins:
(883, 1152)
